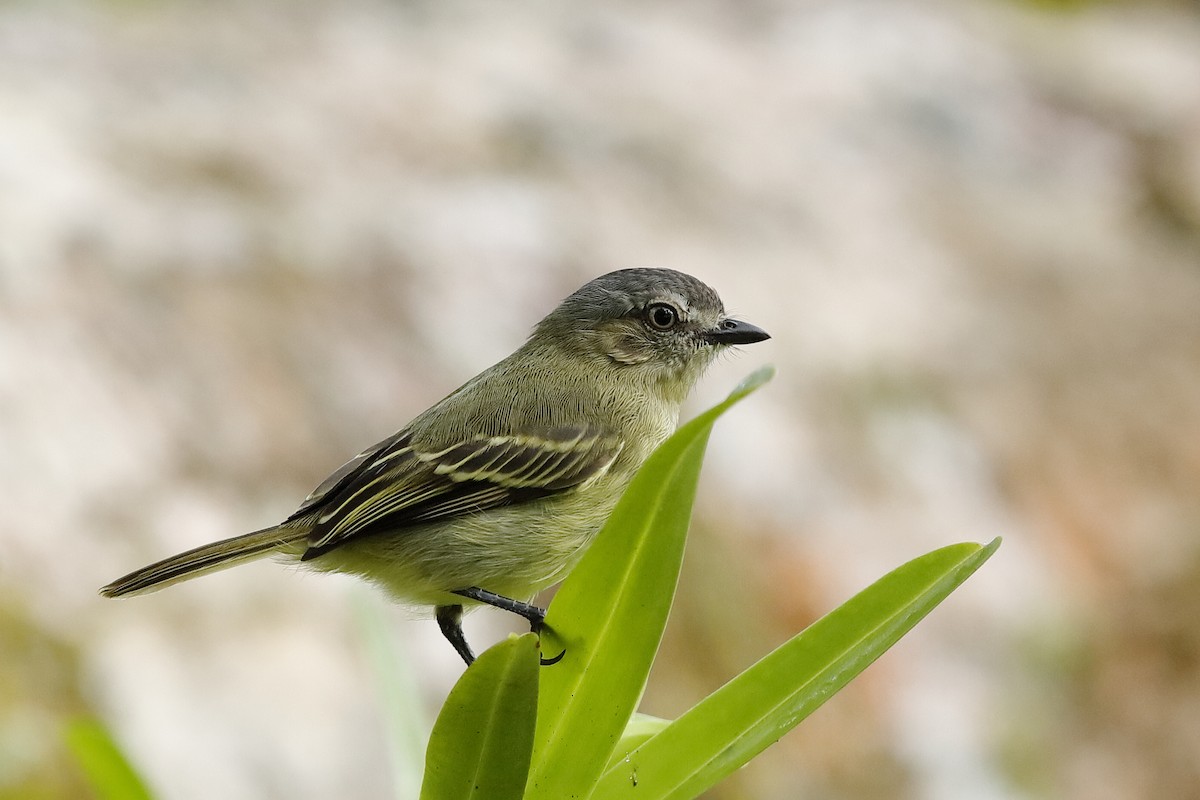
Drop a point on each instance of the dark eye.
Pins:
(662, 316)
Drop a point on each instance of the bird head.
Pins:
(656, 324)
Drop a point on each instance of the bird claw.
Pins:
(535, 615)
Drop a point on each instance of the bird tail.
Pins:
(208, 558)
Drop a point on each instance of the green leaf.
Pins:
(108, 772)
(482, 740)
(610, 613)
(741, 719)
(639, 729)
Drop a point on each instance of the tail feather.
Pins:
(205, 559)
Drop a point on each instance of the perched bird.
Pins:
(494, 493)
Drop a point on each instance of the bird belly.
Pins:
(515, 551)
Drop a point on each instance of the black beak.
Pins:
(734, 331)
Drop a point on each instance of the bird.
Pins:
(495, 492)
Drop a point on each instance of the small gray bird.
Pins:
(494, 493)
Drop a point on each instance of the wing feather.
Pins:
(395, 446)
(395, 485)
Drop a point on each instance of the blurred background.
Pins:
(239, 241)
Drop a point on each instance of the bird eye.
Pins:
(662, 316)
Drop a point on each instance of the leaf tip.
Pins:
(753, 381)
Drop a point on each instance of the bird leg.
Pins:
(535, 615)
(449, 619)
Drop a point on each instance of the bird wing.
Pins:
(396, 484)
(344, 474)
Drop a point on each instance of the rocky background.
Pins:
(241, 240)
